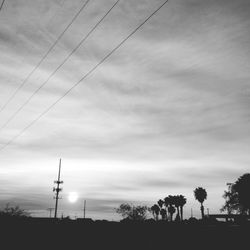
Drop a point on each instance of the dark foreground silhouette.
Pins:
(31, 233)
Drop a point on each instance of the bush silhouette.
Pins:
(131, 212)
(15, 211)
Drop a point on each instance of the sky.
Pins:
(166, 113)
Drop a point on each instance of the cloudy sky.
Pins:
(166, 113)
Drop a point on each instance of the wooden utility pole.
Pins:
(84, 209)
(57, 189)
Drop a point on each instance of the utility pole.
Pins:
(57, 189)
(84, 209)
(50, 209)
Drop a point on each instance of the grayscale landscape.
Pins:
(124, 124)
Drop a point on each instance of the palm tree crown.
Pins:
(200, 194)
(155, 210)
(160, 203)
(182, 200)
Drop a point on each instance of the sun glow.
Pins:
(72, 197)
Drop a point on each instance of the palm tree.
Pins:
(175, 202)
(162, 210)
(166, 203)
(163, 213)
(182, 202)
(171, 208)
(200, 194)
(179, 202)
(160, 203)
(171, 211)
(155, 211)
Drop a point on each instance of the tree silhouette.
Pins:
(171, 211)
(176, 203)
(160, 203)
(171, 208)
(231, 201)
(15, 211)
(242, 188)
(182, 202)
(238, 196)
(200, 194)
(163, 213)
(155, 211)
(132, 212)
(166, 203)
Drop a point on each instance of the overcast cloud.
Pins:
(168, 112)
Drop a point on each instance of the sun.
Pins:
(72, 197)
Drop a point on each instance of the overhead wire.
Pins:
(60, 65)
(44, 56)
(1, 6)
(84, 77)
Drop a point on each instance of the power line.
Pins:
(1, 6)
(44, 56)
(63, 62)
(84, 77)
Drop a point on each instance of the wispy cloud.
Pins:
(167, 112)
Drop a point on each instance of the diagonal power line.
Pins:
(60, 65)
(44, 56)
(1, 6)
(84, 77)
